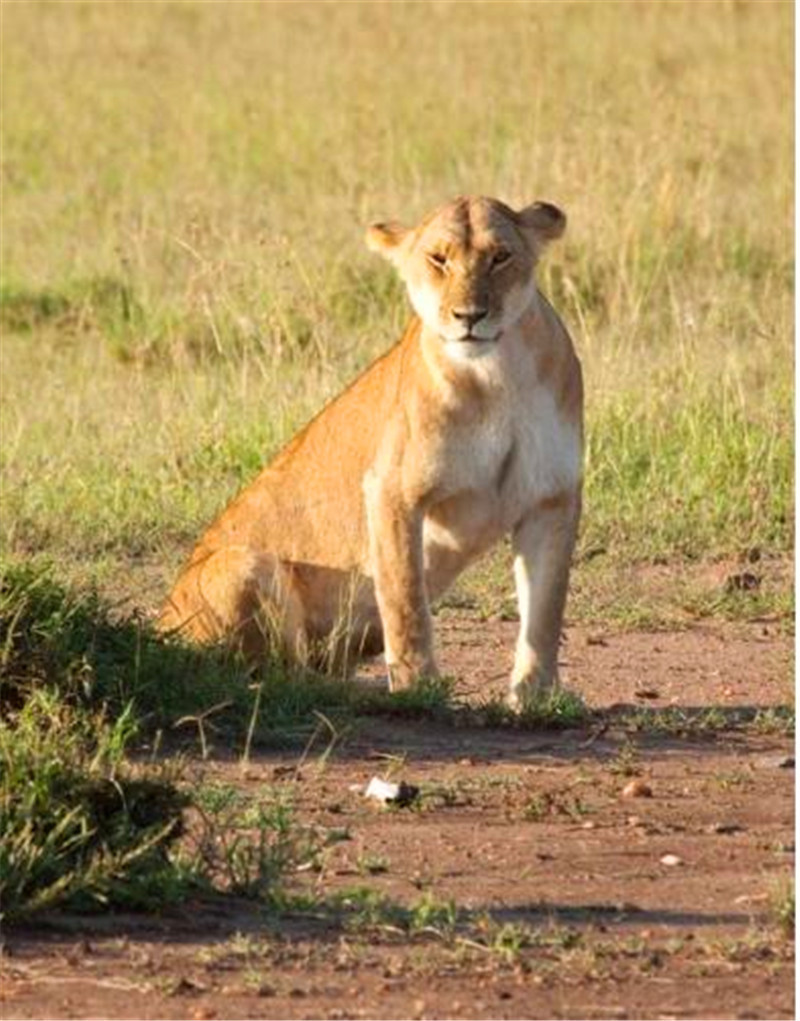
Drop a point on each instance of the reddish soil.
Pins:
(716, 664)
(529, 827)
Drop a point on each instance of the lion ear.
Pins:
(542, 222)
(386, 238)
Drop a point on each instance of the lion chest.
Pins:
(496, 471)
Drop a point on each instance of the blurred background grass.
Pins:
(184, 192)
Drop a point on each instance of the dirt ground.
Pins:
(532, 828)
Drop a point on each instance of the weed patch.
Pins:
(247, 850)
(81, 829)
(71, 643)
(781, 902)
(706, 720)
(552, 804)
(363, 910)
(428, 697)
(559, 710)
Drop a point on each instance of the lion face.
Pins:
(469, 267)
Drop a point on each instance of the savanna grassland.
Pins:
(185, 189)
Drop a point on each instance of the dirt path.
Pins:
(566, 907)
(718, 663)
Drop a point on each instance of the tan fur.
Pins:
(466, 430)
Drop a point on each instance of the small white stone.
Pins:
(382, 790)
(400, 794)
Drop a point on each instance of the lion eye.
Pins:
(437, 260)
(500, 258)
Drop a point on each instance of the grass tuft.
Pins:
(426, 698)
(559, 710)
(782, 906)
(80, 828)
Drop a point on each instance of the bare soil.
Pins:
(532, 828)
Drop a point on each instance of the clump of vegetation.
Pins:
(428, 698)
(557, 710)
(81, 828)
(71, 643)
(84, 828)
(782, 906)
(248, 846)
(365, 910)
(552, 804)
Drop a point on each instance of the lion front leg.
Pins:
(395, 536)
(543, 543)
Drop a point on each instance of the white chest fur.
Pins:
(523, 446)
(495, 469)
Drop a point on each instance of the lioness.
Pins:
(466, 430)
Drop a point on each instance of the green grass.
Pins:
(80, 828)
(363, 910)
(708, 721)
(84, 827)
(709, 478)
(705, 476)
(550, 804)
(558, 710)
(71, 643)
(85, 830)
(782, 906)
(184, 281)
(103, 304)
(74, 644)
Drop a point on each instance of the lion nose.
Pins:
(469, 316)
